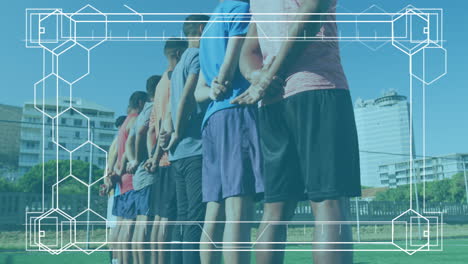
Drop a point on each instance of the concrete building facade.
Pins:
(67, 133)
(424, 169)
(383, 126)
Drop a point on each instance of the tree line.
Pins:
(446, 190)
(32, 180)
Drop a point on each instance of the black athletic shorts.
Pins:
(310, 147)
(168, 201)
(156, 195)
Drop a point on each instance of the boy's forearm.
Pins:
(129, 144)
(248, 63)
(130, 147)
(150, 139)
(112, 154)
(186, 105)
(112, 161)
(202, 92)
(231, 59)
(158, 153)
(166, 123)
(290, 49)
(250, 57)
(123, 162)
(140, 141)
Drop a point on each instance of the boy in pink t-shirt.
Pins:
(306, 122)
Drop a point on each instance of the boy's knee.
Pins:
(162, 233)
(269, 216)
(329, 210)
(273, 212)
(280, 211)
(235, 216)
(211, 216)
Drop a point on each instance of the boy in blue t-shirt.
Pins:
(232, 175)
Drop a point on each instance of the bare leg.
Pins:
(163, 257)
(280, 211)
(114, 238)
(212, 232)
(125, 236)
(325, 211)
(154, 240)
(164, 233)
(140, 239)
(120, 246)
(134, 245)
(237, 209)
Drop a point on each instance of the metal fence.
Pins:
(13, 207)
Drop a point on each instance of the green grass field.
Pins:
(15, 240)
(455, 252)
(455, 248)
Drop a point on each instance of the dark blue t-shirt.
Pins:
(213, 48)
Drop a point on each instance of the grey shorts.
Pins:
(142, 178)
(231, 155)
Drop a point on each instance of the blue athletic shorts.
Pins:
(144, 198)
(231, 155)
(125, 205)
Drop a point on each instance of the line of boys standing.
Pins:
(141, 175)
(299, 144)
